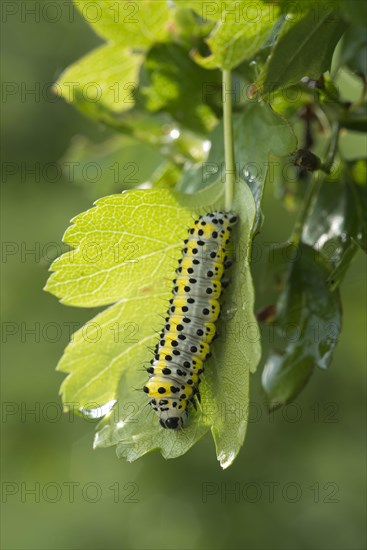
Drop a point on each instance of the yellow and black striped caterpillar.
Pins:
(184, 345)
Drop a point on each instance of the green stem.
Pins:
(333, 146)
(230, 169)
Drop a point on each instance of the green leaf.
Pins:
(105, 359)
(207, 9)
(110, 261)
(307, 326)
(274, 137)
(337, 219)
(290, 182)
(308, 319)
(242, 30)
(305, 49)
(111, 166)
(354, 11)
(168, 90)
(131, 24)
(354, 50)
(339, 272)
(160, 130)
(103, 82)
(190, 29)
(238, 353)
(165, 176)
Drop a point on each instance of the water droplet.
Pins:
(98, 412)
(174, 134)
(248, 176)
(207, 146)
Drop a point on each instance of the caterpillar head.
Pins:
(173, 421)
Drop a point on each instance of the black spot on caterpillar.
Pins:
(184, 344)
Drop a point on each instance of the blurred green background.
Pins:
(299, 480)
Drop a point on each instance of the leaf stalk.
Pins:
(230, 167)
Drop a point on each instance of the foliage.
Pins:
(156, 83)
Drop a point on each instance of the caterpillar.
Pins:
(184, 344)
